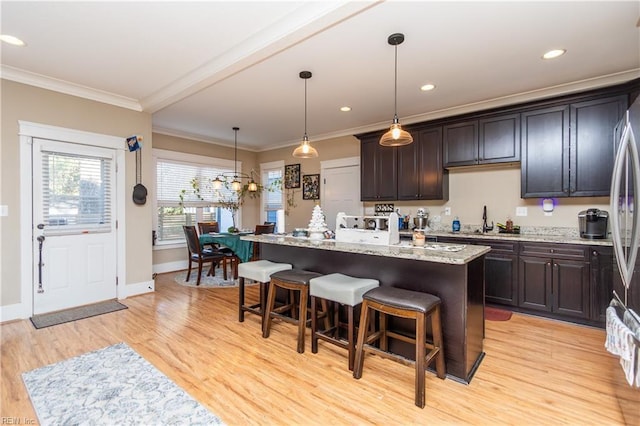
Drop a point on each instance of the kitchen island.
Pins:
(454, 273)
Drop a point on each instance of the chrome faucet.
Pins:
(485, 227)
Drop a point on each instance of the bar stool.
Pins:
(260, 271)
(405, 304)
(296, 280)
(342, 290)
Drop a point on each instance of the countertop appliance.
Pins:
(421, 221)
(366, 235)
(380, 223)
(593, 223)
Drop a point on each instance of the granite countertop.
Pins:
(562, 238)
(457, 254)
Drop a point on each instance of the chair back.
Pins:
(193, 243)
(264, 229)
(206, 227)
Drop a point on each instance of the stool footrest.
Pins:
(400, 358)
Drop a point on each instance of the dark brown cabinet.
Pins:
(378, 171)
(485, 141)
(501, 273)
(420, 172)
(555, 279)
(567, 150)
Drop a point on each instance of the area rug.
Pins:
(206, 281)
(74, 314)
(111, 386)
(495, 314)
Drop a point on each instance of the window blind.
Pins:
(173, 177)
(273, 196)
(76, 192)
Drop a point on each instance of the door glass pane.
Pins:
(76, 192)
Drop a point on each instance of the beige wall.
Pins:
(28, 103)
(329, 149)
(498, 188)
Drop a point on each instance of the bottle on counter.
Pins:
(455, 226)
(418, 237)
(509, 225)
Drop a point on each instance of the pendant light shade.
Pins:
(305, 150)
(396, 136)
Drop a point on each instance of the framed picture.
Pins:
(292, 176)
(311, 187)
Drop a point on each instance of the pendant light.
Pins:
(305, 150)
(396, 136)
(236, 185)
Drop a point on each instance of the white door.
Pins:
(341, 193)
(73, 225)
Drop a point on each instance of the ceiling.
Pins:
(201, 68)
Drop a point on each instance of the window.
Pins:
(272, 205)
(174, 175)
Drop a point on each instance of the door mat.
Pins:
(495, 314)
(73, 314)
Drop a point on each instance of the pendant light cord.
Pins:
(235, 153)
(305, 109)
(395, 86)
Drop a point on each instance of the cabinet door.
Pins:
(378, 171)
(433, 178)
(499, 139)
(545, 152)
(534, 290)
(387, 173)
(409, 170)
(461, 144)
(501, 278)
(368, 190)
(592, 144)
(571, 288)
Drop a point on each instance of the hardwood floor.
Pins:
(535, 371)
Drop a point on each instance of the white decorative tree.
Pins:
(317, 226)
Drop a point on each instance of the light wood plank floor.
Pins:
(536, 371)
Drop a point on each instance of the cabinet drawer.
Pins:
(560, 251)
(506, 247)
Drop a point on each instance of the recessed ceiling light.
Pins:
(15, 41)
(345, 108)
(554, 53)
(427, 87)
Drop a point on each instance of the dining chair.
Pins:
(198, 255)
(206, 227)
(261, 229)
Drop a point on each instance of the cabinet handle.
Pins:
(595, 253)
(550, 250)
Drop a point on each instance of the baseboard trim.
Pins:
(17, 311)
(137, 288)
(161, 268)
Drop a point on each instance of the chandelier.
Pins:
(222, 180)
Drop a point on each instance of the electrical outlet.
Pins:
(521, 211)
(447, 211)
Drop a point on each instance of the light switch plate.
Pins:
(4, 210)
(521, 211)
(447, 211)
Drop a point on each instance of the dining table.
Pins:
(242, 249)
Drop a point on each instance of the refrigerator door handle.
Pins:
(627, 154)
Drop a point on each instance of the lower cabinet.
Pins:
(602, 276)
(501, 273)
(555, 279)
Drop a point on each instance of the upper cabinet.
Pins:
(486, 141)
(420, 172)
(568, 150)
(410, 172)
(378, 170)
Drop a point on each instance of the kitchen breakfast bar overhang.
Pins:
(455, 276)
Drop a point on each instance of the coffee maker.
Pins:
(593, 223)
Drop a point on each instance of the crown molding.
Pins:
(38, 80)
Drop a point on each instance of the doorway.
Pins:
(72, 236)
(340, 188)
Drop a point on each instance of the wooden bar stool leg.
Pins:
(351, 337)
(302, 319)
(263, 301)
(241, 299)
(421, 330)
(436, 328)
(362, 336)
(314, 325)
(383, 331)
(271, 300)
